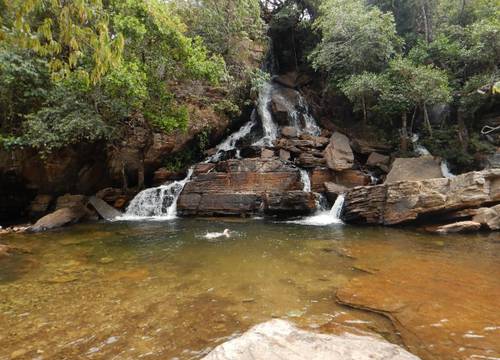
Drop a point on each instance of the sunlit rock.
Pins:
(279, 339)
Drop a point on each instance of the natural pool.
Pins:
(161, 290)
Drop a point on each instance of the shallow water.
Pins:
(162, 290)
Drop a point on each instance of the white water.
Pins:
(324, 218)
(306, 181)
(230, 142)
(270, 130)
(156, 203)
(445, 170)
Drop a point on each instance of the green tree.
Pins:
(355, 38)
(363, 91)
(73, 35)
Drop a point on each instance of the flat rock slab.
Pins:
(444, 308)
(279, 340)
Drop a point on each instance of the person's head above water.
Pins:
(226, 232)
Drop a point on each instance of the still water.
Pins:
(162, 290)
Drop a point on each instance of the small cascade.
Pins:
(325, 217)
(306, 181)
(159, 202)
(231, 141)
(310, 125)
(270, 130)
(445, 170)
(419, 149)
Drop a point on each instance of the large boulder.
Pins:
(289, 203)
(400, 202)
(279, 339)
(376, 160)
(240, 187)
(59, 218)
(338, 153)
(69, 200)
(458, 227)
(283, 102)
(488, 217)
(40, 206)
(420, 168)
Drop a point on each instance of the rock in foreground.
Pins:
(405, 201)
(278, 339)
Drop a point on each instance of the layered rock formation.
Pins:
(406, 201)
(245, 187)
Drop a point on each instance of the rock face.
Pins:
(59, 218)
(279, 339)
(400, 202)
(408, 169)
(40, 206)
(245, 187)
(338, 153)
(488, 217)
(103, 209)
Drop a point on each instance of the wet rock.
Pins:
(68, 201)
(283, 101)
(289, 79)
(489, 217)
(103, 209)
(338, 153)
(279, 339)
(250, 151)
(400, 202)
(121, 202)
(458, 227)
(289, 203)
(202, 168)
(40, 206)
(408, 169)
(318, 178)
(59, 218)
(380, 161)
(289, 132)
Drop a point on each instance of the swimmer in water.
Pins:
(216, 235)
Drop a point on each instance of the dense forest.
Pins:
(80, 71)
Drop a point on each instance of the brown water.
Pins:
(161, 290)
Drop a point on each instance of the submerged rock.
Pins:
(59, 218)
(458, 227)
(404, 201)
(279, 339)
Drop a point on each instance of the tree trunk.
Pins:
(463, 134)
(404, 133)
(427, 27)
(427, 121)
(365, 115)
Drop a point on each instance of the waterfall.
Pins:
(231, 141)
(445, 170)
(310, 125)
(159, 202)
(325, 217)
(306, 181)
(420, 150)
(270, 130)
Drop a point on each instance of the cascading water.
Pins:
(306, 181)
(445, 170)
(231, 141)
(269, 128)
(159, 202)
(325, 217)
